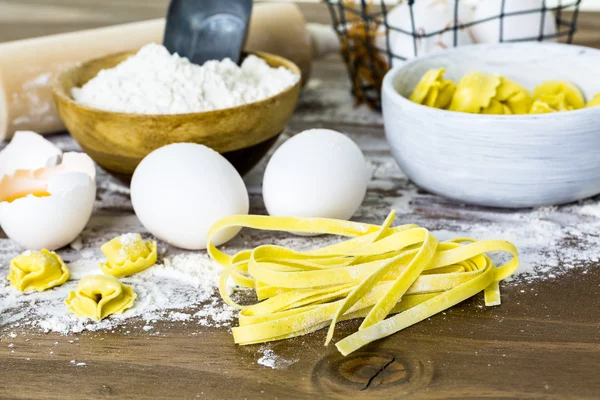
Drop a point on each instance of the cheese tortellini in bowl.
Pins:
(483, 93)
(520, 129)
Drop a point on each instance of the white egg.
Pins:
(179, 191)
(317, 173)
(49, 207)
(515, 27)
(429, 16)
(28, 150)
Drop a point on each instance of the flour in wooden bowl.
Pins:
(156, 82)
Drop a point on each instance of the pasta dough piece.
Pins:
(554, 96)
(481, 93)
(99, 296)
(37, 270)
(514, 97)
(128, 254)
(381, 270)
(433, 90)
(474, 92)
(595, 101)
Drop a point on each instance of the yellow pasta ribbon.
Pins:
(595, 101)
(481, 93)
(555, 96)
(379, 271)
(128, 254)
(99, 296)
(37, 270)
(433, 90)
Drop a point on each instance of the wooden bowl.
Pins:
(499, 160)
(119, 141)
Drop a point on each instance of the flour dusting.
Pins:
(164, 292)
(269, 359)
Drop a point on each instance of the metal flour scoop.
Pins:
(204, 30)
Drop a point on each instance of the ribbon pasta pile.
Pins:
(379, 271)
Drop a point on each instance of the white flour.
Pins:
(268, 358)
(156, 82)
(170, 291)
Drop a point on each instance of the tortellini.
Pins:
(433, 90)
(595, 101)
(37, 270)
(511, 97)
(481, 93)
(99, 296)
(553, 96)
(127, 254)
(474, 92)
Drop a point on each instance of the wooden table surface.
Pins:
(543, 342)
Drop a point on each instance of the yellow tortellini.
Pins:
(433, 90)
(481, 93)
(595, 101)
(474, 92)
(99, 296)
(554, 96)
(512, 97)
(37, 270)
(127, 254)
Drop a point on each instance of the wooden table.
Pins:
(543, 342)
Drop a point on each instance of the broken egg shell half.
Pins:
(28, 151)
(48, 207)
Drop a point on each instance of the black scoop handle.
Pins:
(204, 30)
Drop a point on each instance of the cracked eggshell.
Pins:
(515, 27)
(30, 151)
(429, 16)
(49, 207)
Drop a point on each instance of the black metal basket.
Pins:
(365, 34)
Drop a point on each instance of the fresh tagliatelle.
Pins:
(379, 271)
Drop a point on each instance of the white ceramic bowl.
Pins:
(493, 160)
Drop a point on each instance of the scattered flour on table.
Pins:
(164, 292)
(269, 359)
(78, 364)
(550, 240)
(155, 82)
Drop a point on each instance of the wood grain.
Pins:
(543, 342)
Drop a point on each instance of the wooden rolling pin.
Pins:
(27, 67)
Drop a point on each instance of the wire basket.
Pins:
(375, 35)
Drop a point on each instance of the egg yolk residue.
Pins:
(595, 101)
(10, 199)
(481, 93)
(99, 296)
(433, 90)
(37, 270)
(128, 254)
(553, 96)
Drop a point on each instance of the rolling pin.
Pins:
(28, 67)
